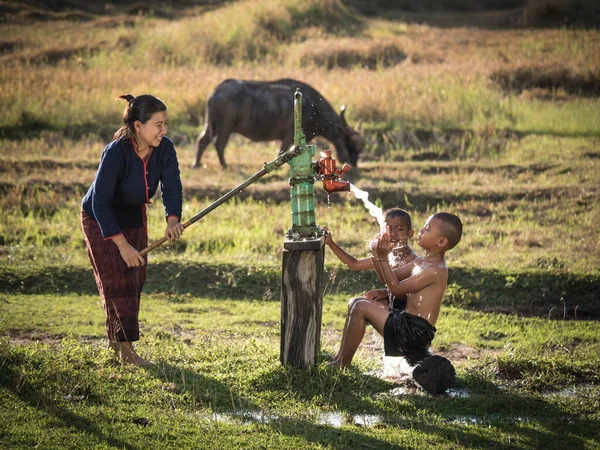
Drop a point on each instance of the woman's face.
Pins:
(152, 132)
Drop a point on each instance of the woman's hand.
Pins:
(174, 229)
(131, 256)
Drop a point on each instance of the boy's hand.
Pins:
(373, 245)
(376, 294)
(327, 236)
(381, 244)
(384, 245)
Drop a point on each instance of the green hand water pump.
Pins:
(302, 179)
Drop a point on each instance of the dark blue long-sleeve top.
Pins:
(124, 183)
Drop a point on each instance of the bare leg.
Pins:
(363, 311)
(125, 352)
(351, 304)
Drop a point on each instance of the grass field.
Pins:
(495, 118)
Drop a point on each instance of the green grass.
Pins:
(218, 381)
(249, 400)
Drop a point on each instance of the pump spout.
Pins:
(336, 186)
(326, 169)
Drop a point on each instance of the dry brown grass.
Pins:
(64, 75)
(348, 53)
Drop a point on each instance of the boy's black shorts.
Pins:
(407, 335)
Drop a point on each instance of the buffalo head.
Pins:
(350, 144)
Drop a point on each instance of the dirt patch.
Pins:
(372, 347)
(461, 354)
(28, 337)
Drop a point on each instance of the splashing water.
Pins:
(374, 210)
(396, 367)
(398, 253)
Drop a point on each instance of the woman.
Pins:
(113, 216)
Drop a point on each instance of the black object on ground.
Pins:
(435, 374)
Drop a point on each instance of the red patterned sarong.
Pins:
(120, 287)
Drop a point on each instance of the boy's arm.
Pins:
(401, 272)
(414, 283)
(350, 261)
(404, 271)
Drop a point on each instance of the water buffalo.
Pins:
(264, 111)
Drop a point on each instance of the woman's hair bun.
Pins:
(128, 97)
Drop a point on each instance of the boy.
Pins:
(399, 223)
(408, 333)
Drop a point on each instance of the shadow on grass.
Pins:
(347, 394)
(487, 416)
(389, 196)
(233, 407)
(37, 395)
(532, 293)
(353, 393)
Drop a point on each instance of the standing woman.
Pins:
(113, 216)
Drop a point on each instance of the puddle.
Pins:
(458, 393)
(245, 417)
(332, 419)
(396, 367)
(578, 390)
(474, 420)
(337, 419)
(406, 390)
(465, 420)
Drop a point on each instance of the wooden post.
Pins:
(301, 301)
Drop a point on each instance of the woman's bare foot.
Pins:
(126, 353)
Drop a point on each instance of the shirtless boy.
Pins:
(399, 224)
(406, 333)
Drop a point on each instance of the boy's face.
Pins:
(430, 235)
(399, 230)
